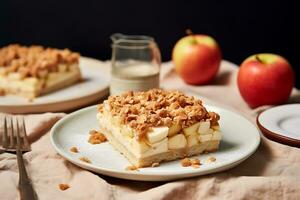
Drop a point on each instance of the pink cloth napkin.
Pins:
(272, 172)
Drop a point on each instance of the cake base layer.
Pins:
(208, 146)
(66, 81)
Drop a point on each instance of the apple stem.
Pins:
(190, 33)
(258, 59)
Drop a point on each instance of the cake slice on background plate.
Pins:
(34, 71)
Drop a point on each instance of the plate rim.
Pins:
(277, 137)
(135, 175)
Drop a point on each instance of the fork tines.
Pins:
(14, 133)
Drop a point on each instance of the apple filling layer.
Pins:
(155, 126)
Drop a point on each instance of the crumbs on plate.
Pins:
(131, 168)
(2, 92)
(211, 159)
(63, 186)
(193, 162)
(74, 150)
(156, 164)
(186, 162)
(30, 100)
(85, 159)
(96, 137)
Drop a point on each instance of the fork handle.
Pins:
(25, 186)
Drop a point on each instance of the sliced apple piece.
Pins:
(116, 120)
(204, 138)
(204, 127)
(139, 146)
(130, 134)
(157, 148)
(157, 134)
(217, 135)
(106, 105)
(177, 142)
(191, 130)
(174, 129)
(127, 131)
(62, 67)
(192, 140)
(216, 128)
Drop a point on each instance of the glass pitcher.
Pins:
(136, 63)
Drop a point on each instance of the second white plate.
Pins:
(281, 124)
(240, 140)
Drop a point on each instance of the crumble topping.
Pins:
(74, 149)
(85, 159)
(153, 108)
(34, 61)
(96, 137)
(63, 186)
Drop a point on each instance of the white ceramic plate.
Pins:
(281, 124)
(96, 76)
(241, 138)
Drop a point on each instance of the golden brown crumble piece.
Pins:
(155, 164)
(211, 159)
(96, 137)
(144, 110)
(214, 118)
(63, 186)
(2, 92)
(131, 168)
(100, 107)
(74, 149)
(195, 163)
(85, 159)
(195, 166)
(186, 162)
(30, 100)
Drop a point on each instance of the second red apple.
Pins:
(265, 79)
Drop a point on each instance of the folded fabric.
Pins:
(272, 172)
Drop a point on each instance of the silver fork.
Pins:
(14, 140)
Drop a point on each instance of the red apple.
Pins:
(265, 79)
(197, 58)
